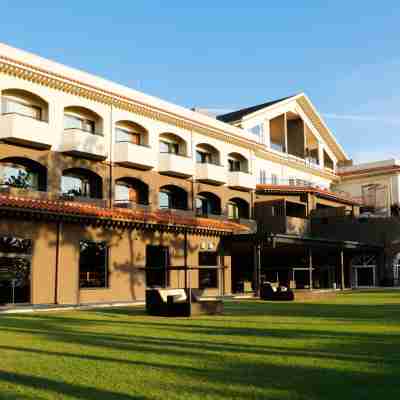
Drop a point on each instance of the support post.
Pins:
(342, 269)
(185, 258)
(310, 266)
(257, 269)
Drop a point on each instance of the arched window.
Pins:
(22, 102)
(131, 132)
(238, 208)
(81, 182)
(174, 197)
(173, 144)
(208, 203)
(207, 154)
(82, 119)
(131, 191)
(237, 162)
(23, 173)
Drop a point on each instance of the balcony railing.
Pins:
(25, 130)
(135, 155)
(175, 164)
(296, 182)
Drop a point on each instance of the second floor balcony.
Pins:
(82, 143)
(211, 173)
(175, 165)
(134, 155)
(25, 130)
(241, 180)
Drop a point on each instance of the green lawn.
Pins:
(348, 348)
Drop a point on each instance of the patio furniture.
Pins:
(205, 305)
(167, 302)
(176, 303)
(281, 293)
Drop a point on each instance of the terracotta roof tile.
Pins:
(89, 210)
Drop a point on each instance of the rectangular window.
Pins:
(203, 157)
(75, 122)
(75, 185)
(93, 264)
(258, 132)
(169, 147)
(11, 106)
(262, 177)
(233, 211)
(277, 146)
(274, 179)
(164, 200)
(208, 277)
(234, 165)
(123, 135)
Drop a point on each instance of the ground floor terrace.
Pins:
(342, 348)
(66, 253)
(303, 263)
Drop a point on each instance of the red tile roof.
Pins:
(73, 208)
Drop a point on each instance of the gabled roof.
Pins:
(305, 103)
(239, 114)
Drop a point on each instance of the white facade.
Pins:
(382, 175)
(159, 117)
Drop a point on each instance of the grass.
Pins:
(346, 348)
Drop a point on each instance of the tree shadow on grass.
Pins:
(62, 388)
(221, 357)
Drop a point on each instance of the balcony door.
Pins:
(157, 262)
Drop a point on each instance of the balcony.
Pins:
(24, 130)
(211, 173)
(286, 225)
(133, 155)
(241, 180)
(175, 165)
(85, 144)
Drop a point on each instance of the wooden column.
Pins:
(342, 269)
(310, 264)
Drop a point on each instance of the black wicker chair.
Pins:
(282, 293)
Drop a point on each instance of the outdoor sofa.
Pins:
(177, 303)
(282, 293)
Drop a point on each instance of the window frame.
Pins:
(106, 266)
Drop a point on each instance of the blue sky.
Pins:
(229, 54)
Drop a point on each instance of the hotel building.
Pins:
(105, 190)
